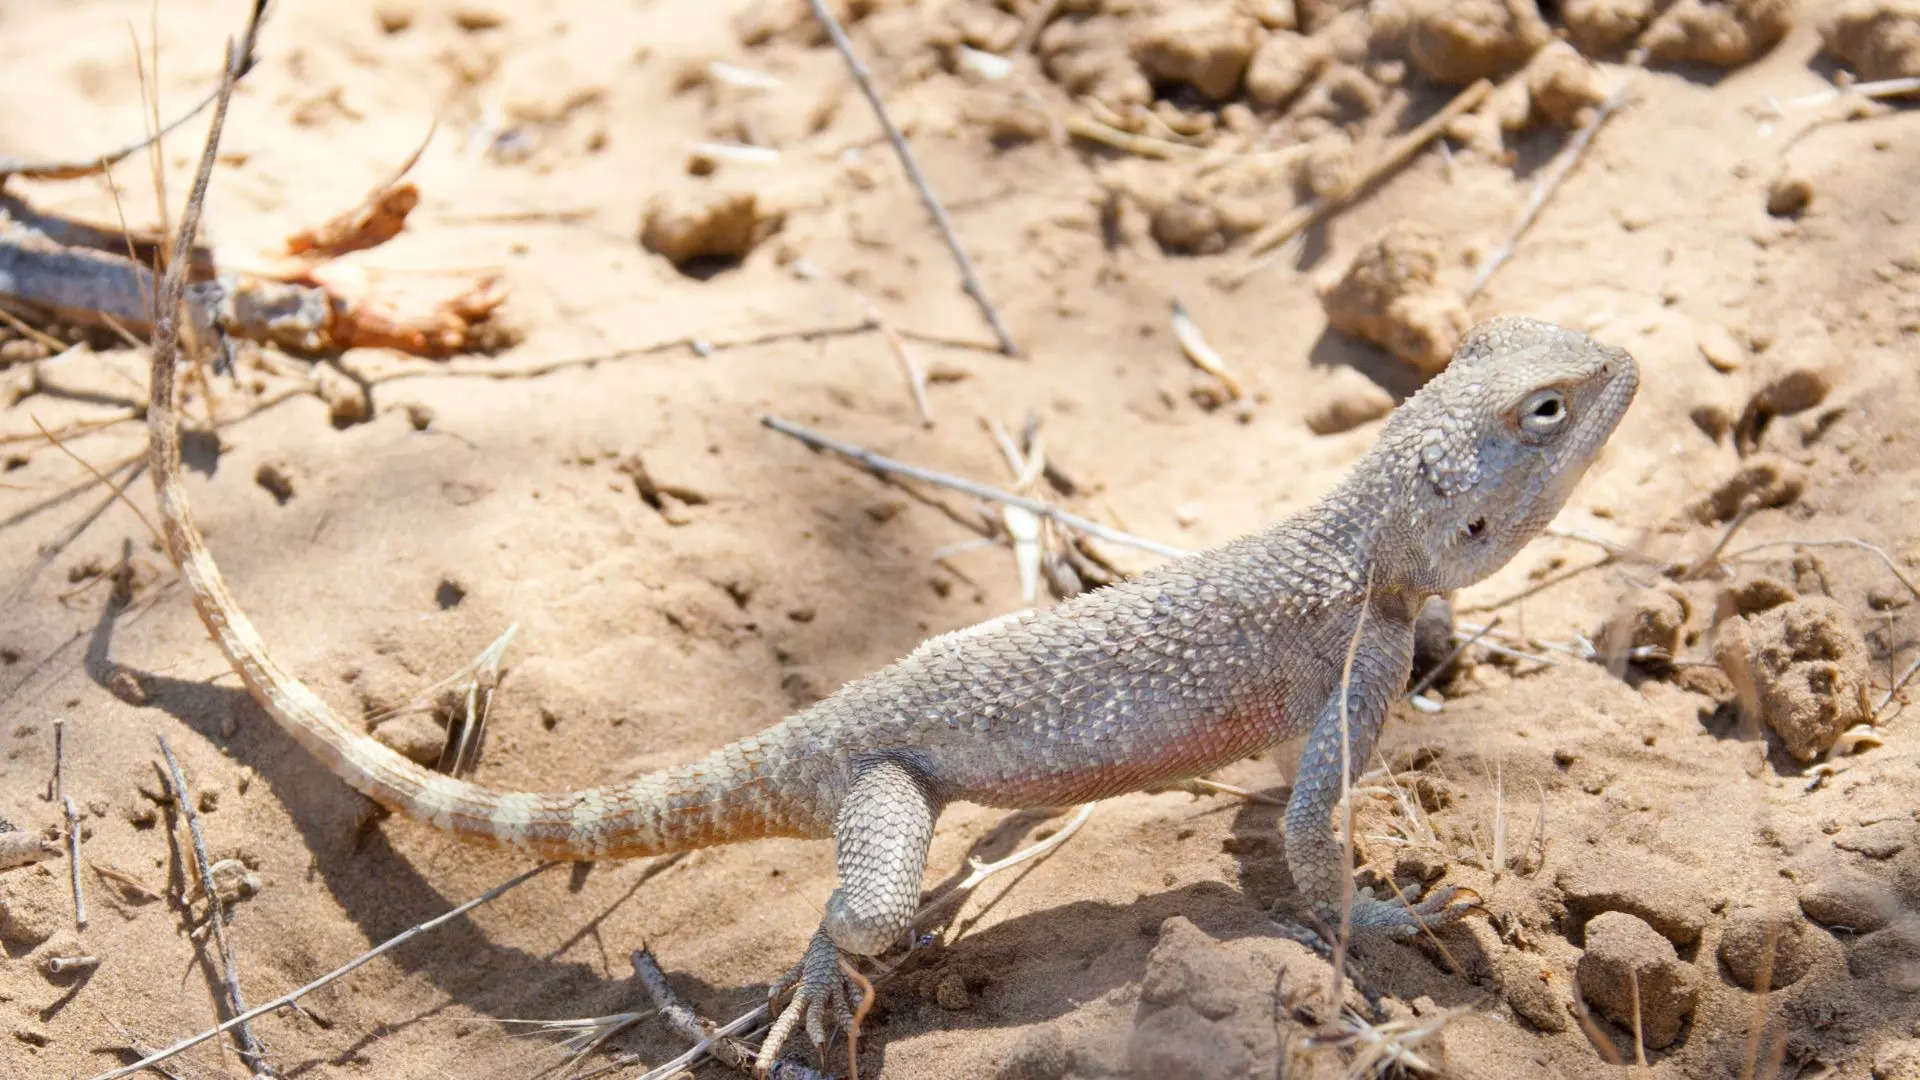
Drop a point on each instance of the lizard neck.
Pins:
(1342, 547)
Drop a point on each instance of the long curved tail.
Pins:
(729, 795)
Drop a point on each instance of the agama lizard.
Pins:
(1177, 672)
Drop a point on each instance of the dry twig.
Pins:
(73, 820)
(1390, 159)
(386, 946)
(249, 1047)
(1543, 188)
(885, 467)
(864, 78)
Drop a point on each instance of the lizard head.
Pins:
(1490, 448)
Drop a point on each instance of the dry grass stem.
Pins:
(1346, 798)
(886, 467)
(1194, 345)
(1543, 189)
(249, 1047)
(968, 280)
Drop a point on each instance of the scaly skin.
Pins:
(1170, 675)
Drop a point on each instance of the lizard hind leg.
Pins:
(880, 848)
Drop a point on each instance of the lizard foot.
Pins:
(1391, 919)
(825, 986)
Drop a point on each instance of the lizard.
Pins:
(1305, 628)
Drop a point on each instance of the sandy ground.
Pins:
(1642, 824)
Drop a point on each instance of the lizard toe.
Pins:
(819, 997)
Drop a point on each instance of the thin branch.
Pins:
(1395, 155)
(119, 492)
(1544, 188)
(1894, 690)
(386, 946)
(249, 1047)
(862, 76)
(887, 466)
(72, 818)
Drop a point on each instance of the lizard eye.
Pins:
(1543, 413)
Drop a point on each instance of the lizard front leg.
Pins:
(880, 847)
(1315, 854)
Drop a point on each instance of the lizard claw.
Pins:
(1391, 919)
(821, 989)
(1397, 919)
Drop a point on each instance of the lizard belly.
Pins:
(1115, 752)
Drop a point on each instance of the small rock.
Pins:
(1621, 953)
(1761, 594)
(1391, 296)
(1764, 481)
(128, 687)
(1281, 67)
(1458, 41)
(1205, 46)
(1186, 227)
(1718, 33)
(1723, 353)
(1795, 391)
(1649, 619)
(1565, 87)
(413, 736)
(1789, 194)
(951, 993)
(1879, 39)
(1347, 400)
(1713, 421)
(393, 16)
(703, 223)
(1532, 991)
(274, 478)
(418, 415)
(1803, 665)
(1752, 933)
(1605, 27)
(1090, 57)
(476, 17)
(346, 399)
(233, 881)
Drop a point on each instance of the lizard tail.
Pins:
(727, 796)
(716, 800)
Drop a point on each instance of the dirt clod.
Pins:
(1605, 27)
(1624, 954)
(1283, 65)
(1718, 33)
(1651, 619)
(1763, 482)
(1770, 941)
(1391, 295)
(1458, 41)
(1789, 194)
(1879, 39)
(688, 224)
(1565, 86)
(1803, 666)
(1205, 46)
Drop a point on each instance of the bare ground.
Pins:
(651, 633)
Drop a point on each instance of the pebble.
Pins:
(1623, 953)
